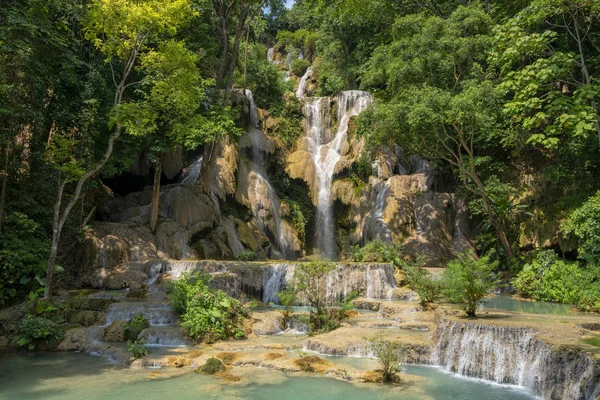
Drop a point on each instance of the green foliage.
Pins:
(263, 79)
(584, 224)
(298, 219)
(23, 245)
(287, 299)
(389, 354)
(137, 348)
(206, 314)
(248, 255)
(299, 67)
(35, 331)
(466, 281)
(423, 283)
(325, 315)
(136, 325)
(548, 278)
(377, 251)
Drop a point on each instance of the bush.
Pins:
(377, 251)
(137, 348)
(421, 281)
(548, 278)
(248, 255)
(584, 224)
(287, 299)
(467, 281)
(206, 314)
(133, 328)
(310, 280)
(299, 67)
(390, 356)
(34, 331)
(212, 366)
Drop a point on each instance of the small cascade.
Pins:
(234, 242)
(326, 152)
(513, 355)
(296, 327)
(276, 280)
(271, 54)
(155, 270)
(374, 223)
(192, 173)
(264, 193)
(164, 337)
(302, 85)
(418, 226)
(158, 314)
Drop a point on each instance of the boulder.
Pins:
(115, 332)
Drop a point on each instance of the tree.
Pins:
(466, 281)
(121, 31)
(390, 355)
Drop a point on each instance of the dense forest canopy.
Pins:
(502, 96)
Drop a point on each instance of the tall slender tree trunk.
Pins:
(4, 188)
(246, 55)
(156, 194)
(244, 10)
(209, 166)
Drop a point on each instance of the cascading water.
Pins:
(515, 356)
(192, 173)
(326, 151)
(302, 85)
(271, 54)
(262, 186)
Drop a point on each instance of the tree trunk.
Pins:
(209, 166)
(156, 194)
(221, 12)
(246, 56)
(244, 9)
(56, 231)
(497, 226)
(4, 187)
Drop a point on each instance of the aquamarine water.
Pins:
(73, 376)
(507, 303)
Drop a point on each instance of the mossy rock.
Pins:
(138, 294)
(83, 303)
(212, 366)
(313, 364)
(136, 325)
(115, 332)
(86, 318)
(228, 358)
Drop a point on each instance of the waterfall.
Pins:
(302, 85)
(513, 355)
(280, 277)
(262, 186)
(326, 152)
(271, 54)
(192, 173)
(374, 224)
(157, 314)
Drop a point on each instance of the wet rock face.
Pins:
(514, 355)
(115, 332)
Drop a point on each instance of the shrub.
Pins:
(34, 331)
(248, 255)
(212, 366)
(548, 278)
(133, 328)
(310, 280)
(584, 224)
(466, 281)
(421, 281)
(377, 251)
(287, 298)
(137, 348)
(299, 67)
(206, 314)
(390, 356)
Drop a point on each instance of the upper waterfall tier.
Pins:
(326, 151)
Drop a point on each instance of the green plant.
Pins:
(248, 255)
(287, 298)
(136, 325)
(33, 331)
(422, 282)
(299, 67)
(206, 314)
(390, 355)
(466, 281)
(377, 251)
(212, 366)
(137, 348)
(548, 278)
